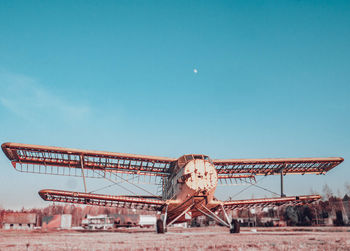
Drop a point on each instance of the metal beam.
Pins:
(282, 194)
(213, 216)
(165, 216)
(187, 209)
(228, 220)
(82, 171)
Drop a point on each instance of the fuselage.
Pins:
(193, 180)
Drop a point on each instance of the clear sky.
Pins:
(272, 81)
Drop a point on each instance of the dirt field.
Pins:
(210, 238)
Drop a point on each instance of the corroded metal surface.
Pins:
(48, 160)
(101, 199)
(236, 204)
(275, 166)
(188, 183)
(24, 157)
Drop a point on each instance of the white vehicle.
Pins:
(99, 222)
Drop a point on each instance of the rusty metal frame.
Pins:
(49, 159)
(227, 167)
(291, 200)
(232, 179)
(101, 200)
(213, 216)
(56, 157)
(181, 214)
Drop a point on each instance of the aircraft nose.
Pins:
(203, 175)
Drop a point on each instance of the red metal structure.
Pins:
(187, 183)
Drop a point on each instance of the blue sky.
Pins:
(273, 81)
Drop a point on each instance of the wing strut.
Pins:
(178, 217)
(282, 194)
(82, 170)
(211, 215)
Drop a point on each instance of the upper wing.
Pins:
(293, 200)
(70, 162)
(228, 167)
(102, 200)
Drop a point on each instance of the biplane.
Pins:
(187, 184)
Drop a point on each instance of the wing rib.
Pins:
(68, 158)
(238, 204)
(101, 199)
(275, 166)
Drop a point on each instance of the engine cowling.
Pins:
(200, 175)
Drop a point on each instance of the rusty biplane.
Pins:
(187, 183)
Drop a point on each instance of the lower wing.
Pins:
(291, 200)
(137, 202)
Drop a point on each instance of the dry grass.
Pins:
(210, 238)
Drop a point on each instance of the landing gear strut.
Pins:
(233, 226)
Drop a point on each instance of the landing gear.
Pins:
(161, 223)
(160, 227)
(235, 229)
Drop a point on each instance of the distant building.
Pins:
(272, 222)
(110, 221)
(147, 220)
(19, 221)
(247, 222)
(59, 221)
(102, 222)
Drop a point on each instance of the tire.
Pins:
(160, 226)
(235, 227)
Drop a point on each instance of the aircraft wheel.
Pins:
(160, 227)
(235, 227)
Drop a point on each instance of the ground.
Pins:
(208, 238)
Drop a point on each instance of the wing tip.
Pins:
(42, 193)
(6, 149)
(3, 145)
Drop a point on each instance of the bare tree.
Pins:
(313, 192)
(327, 192)
(347, 188)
